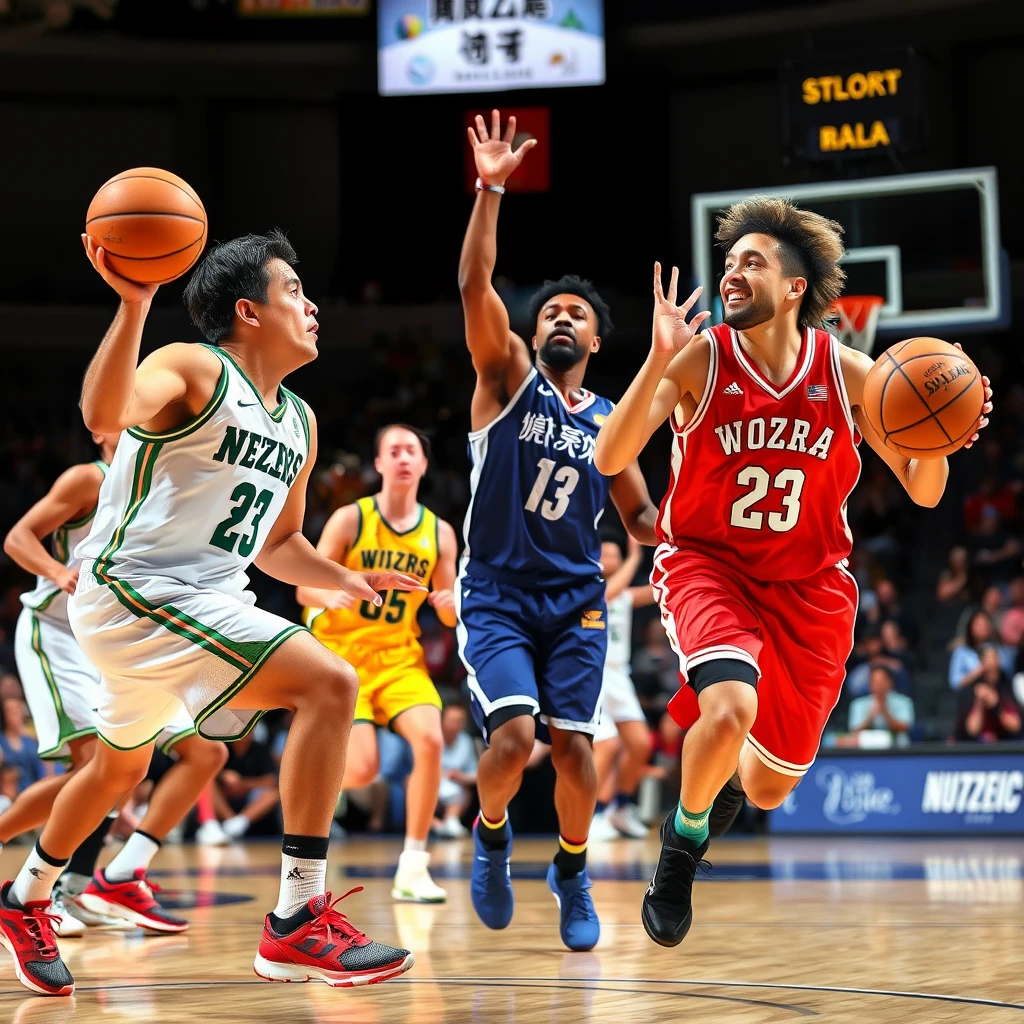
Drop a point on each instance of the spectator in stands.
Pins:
(986, 708)
(994, 550)
(458, 772)
(883, 708)
(871, 651)
(17, 745)
(952, 587)
(9, 776)
(246, 790)
(1011, 629)
(1002, 498)
(965, 663)
(875, 509)
(10, 686)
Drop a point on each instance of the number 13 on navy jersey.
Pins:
(536, 495)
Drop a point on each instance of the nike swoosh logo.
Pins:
(245, 405)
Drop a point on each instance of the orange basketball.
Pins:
(924, 396)
(151, 224)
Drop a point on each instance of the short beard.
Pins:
(753, 314)
(560, 356)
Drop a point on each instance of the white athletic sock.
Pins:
(301, 880)
(36, 879)
(237, 826)
(414, 844)
(140, 849)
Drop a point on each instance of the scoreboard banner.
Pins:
(962, 793)
(852, 105)
(449, 46)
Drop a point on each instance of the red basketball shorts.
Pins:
(797, 634)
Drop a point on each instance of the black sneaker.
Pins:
(667, 910)
(725, 809)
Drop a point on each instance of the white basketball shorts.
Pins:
(160, 644)
(619, 703)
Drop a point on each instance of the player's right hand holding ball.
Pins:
(128, 290)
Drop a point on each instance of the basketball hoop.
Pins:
(858, 318)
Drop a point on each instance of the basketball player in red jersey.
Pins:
(751, 570)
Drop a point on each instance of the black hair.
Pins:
(880, 666)
(424, 440)
(616, 538)
(572, 285)
(231, 271)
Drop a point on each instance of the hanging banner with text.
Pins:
(852, 105)
(435, 46)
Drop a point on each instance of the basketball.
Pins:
(150, 223)
(924, 397)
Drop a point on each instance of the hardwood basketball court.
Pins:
(786, 930)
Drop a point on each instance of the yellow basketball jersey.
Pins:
(379, 546)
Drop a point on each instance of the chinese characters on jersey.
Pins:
(540, 429)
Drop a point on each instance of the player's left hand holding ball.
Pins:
(671, 332)
(985, 409)
(128, 290)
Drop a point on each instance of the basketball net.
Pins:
(857, 319)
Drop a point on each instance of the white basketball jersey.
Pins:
(620, 632)
(48, 601)
(196, 503)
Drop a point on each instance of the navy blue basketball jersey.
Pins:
(535, 494)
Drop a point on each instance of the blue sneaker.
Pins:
(579, 925)
(489, 882)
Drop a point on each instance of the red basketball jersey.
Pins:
(762, 472)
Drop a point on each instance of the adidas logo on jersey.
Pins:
(733, 389)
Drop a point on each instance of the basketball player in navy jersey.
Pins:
(530, 596)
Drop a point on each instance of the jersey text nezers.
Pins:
(261, 453)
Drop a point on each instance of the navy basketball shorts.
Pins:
(542, 648)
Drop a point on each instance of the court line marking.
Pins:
(597, 984)
(543, 984)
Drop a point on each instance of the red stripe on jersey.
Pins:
(761, 473)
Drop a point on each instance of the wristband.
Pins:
(481, 187)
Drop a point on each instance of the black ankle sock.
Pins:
(83, 860)
(492, 836)
(284, 925)
(571, 861)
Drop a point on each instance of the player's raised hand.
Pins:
(128, 290)
(493, 153)
(364, 586)
(985, 409)
(671, 332)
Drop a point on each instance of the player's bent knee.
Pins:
(362, 774)
(768, 798)
(512, 741)
(427, 744)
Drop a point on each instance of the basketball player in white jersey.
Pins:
(209, 476)
(62, 689)
(623, 727)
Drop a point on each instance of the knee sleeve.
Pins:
(719, 670)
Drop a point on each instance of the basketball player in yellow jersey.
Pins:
(391, 529)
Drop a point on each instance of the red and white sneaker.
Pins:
(132, 901)
(27, 934)
(327, 947)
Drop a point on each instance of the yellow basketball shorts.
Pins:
(391, 680)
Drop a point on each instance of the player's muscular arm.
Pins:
(442, 595)
(500, 358)
(72, 496)
(676, 366)
(338, 536)
(632, 501)
(289, 557)
(923, 479)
